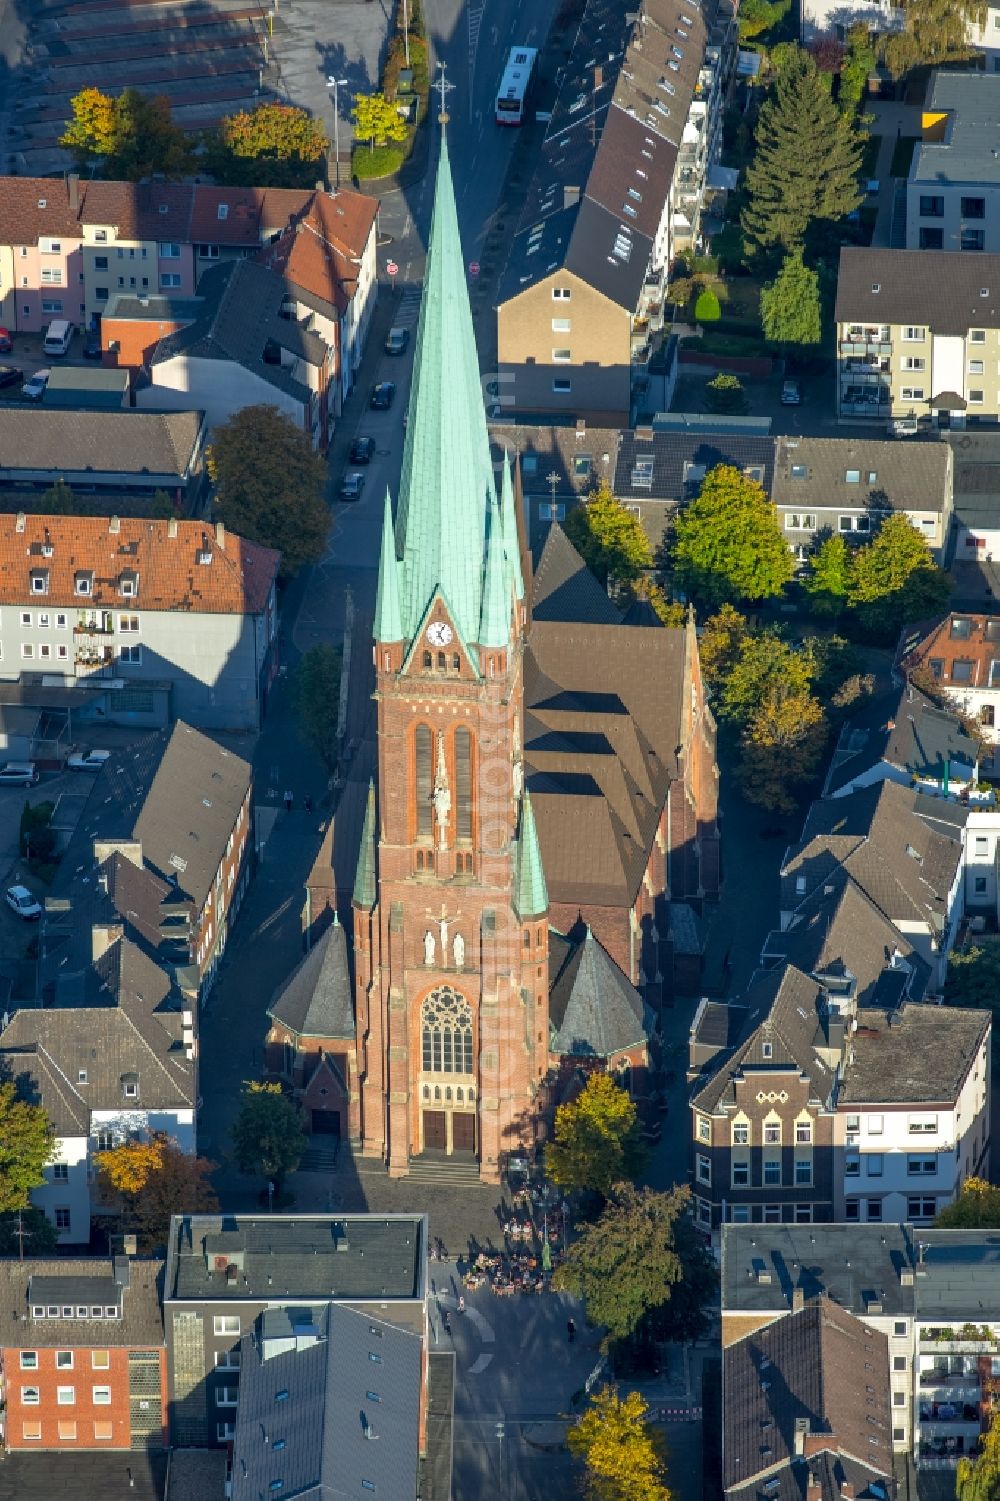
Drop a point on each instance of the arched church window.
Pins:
(460, 1095)
(446, 1033)
(428, 661)
(427, 1091)
(463, 783)
(447, 1092)
(442, 661)
(424, 778)
(437, 1092)
(456, 663)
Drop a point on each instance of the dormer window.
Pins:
(130, 1086)
(40, 581)
(83, 583)
(204, 556)
(128, 585)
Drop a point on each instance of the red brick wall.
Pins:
(83, 1412)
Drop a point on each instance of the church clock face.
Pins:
(439, 633)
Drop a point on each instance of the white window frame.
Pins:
(101, 1396)
(226, 1323)
(66, 1396)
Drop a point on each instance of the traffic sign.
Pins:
(391, 268)
(473, 268)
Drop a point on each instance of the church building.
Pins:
(540, 840)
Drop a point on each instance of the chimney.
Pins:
(847, 1490)
(73, 190)
(798, 1300)
(598, 77)
(220, 535)
(801, 1434)
(581, 427)
(172, 527)
(115, 525)
(19, 523)
(129, 1245)
(813, 1488)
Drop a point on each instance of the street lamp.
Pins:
(336, 84)
(500, 1484)
(406, 31)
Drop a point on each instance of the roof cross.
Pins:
(443, 87)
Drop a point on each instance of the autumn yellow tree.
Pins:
(126, 1169)
(377, 119)
(596, 1138)
(129, 136)
(976, 1208)
(622, 1454)
(92, 130)
(273, 145)
(155, 1179)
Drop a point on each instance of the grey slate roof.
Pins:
(937, 289)
(39, 1476)
(891, 475)
(580, 455)
(967, 153)
(40, 1080)
(336, 1396)
(918, 1054)
(762, 1265)
(89, 1280)
(125, 442)
(565, 588)
(317, 998)
(681, 461)
(718, 1024)
(828, 1470)
(808, 1365)
(906, 730)
(296, 1256)
(594, 1010)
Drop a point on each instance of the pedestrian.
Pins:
(446, 1321)
(461, 1305)
(571, 1330)
(308, 802)
(288, 802)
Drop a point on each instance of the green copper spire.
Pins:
(531, 897)
(510, 538)
(364, 876)
(494, 628)
(447, 481)
(388, 621)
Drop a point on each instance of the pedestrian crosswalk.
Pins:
(409, 308)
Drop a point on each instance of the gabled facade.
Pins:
(961, 653)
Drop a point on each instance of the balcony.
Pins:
(100, 625)
(934, 1413)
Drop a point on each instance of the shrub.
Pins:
(724, 393)
(707, 309)
(378, 161)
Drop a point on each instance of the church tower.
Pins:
(450, 904)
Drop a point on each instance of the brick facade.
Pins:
(86, 1422)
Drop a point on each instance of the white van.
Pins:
(58, 337)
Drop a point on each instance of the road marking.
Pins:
(479, 1365)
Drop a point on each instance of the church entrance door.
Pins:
(435, 1131)
(463, 1132)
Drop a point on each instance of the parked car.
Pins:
(903, 427)
(18, 774)
(6, 342)
(790, 395)
(361, 451)
(92, 345)
(87, 760)
(382, 397)
(396, 340)
(10, 376)
(34, 389)
(351, 486)
(20, 900)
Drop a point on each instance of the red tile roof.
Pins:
(34, 206)
(316, 253)
(236, 581)
(973, 640)
(251, 214)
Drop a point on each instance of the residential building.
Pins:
(338, 1392)
(903, 737)
(86, 388)
(602, 731)
(806, 1409)
(912, 1131)
(85, 598)
(976, 532)
(558, 464)
(224, 1272)
(849, 485)
(953, 187)
(82, 1358)
(619, 189)
(131, 326)
(834, 18)
(164, 846)
(961, 654)
(110, 460)
(918, 334)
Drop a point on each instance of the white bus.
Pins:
(515, 85)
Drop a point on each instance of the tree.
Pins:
(979, 1479)
(128, 1167)
(609, 538)
(707, 309)
(935, 32)
(27, 1142)
(596, 1138)
(155, 1179)
(724, 393)
(789, 305)
(973, 976)
(377, 119)
(722, 639)
(29, 1230)
(131, 136)
(670, 612)
(622, 1453)
(641, 1268)
(271, 145)
(828, 582)
(268, 1134)
(976, 1208)
(162, 507)
(857, 67)
(728, 544)
(782, 749)
(758, 16)
(57, 500)
(317, 700)
(270, 484)
(805, 168)
(894, 579)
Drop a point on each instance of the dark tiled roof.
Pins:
(830, 1471)
(939, 289)
(141, 1323)
(40, 1476)
(126, 442)
(337, 1435)
(40, 1080)
(594, 1010)
(680, 462)
(717, 1024)
(564, 587)
(581, 456)
(918, 1054)
(807, 1366)
(301, 1257)
(317, 999)
(891, 475)
(906, 730)
(762, 1265)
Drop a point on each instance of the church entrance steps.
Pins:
(458, 1171)
(320, 1159)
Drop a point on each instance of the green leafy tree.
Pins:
(720, 643)
(857, 67)
(894, 579)
(934, 32)
(317, 700)
(976, 1208)
(130, 136)
(27, 1143)
(758, 16)
(162, 507)
(622, 1453)
(609, 538)
(377, 119)
(724, 393)
(57, 500)
(596, 1139)
(789, 305)
(766, 670)
(641, 1267)
(268, 1135)
(805, 168)
(979, 1479)
(782, 748)
(272, 145)
(728, 544)
(828, 582)
(270, 484)
(30, 1231)
(707, 309)
(973, 976)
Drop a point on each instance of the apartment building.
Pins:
(849, 486)
(90, 600)
(960, 654)
(82, 1358)
(821, 19)
(902, 737)
(627, 159)
(953, 187)
(918, 333)
(223, 1273)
